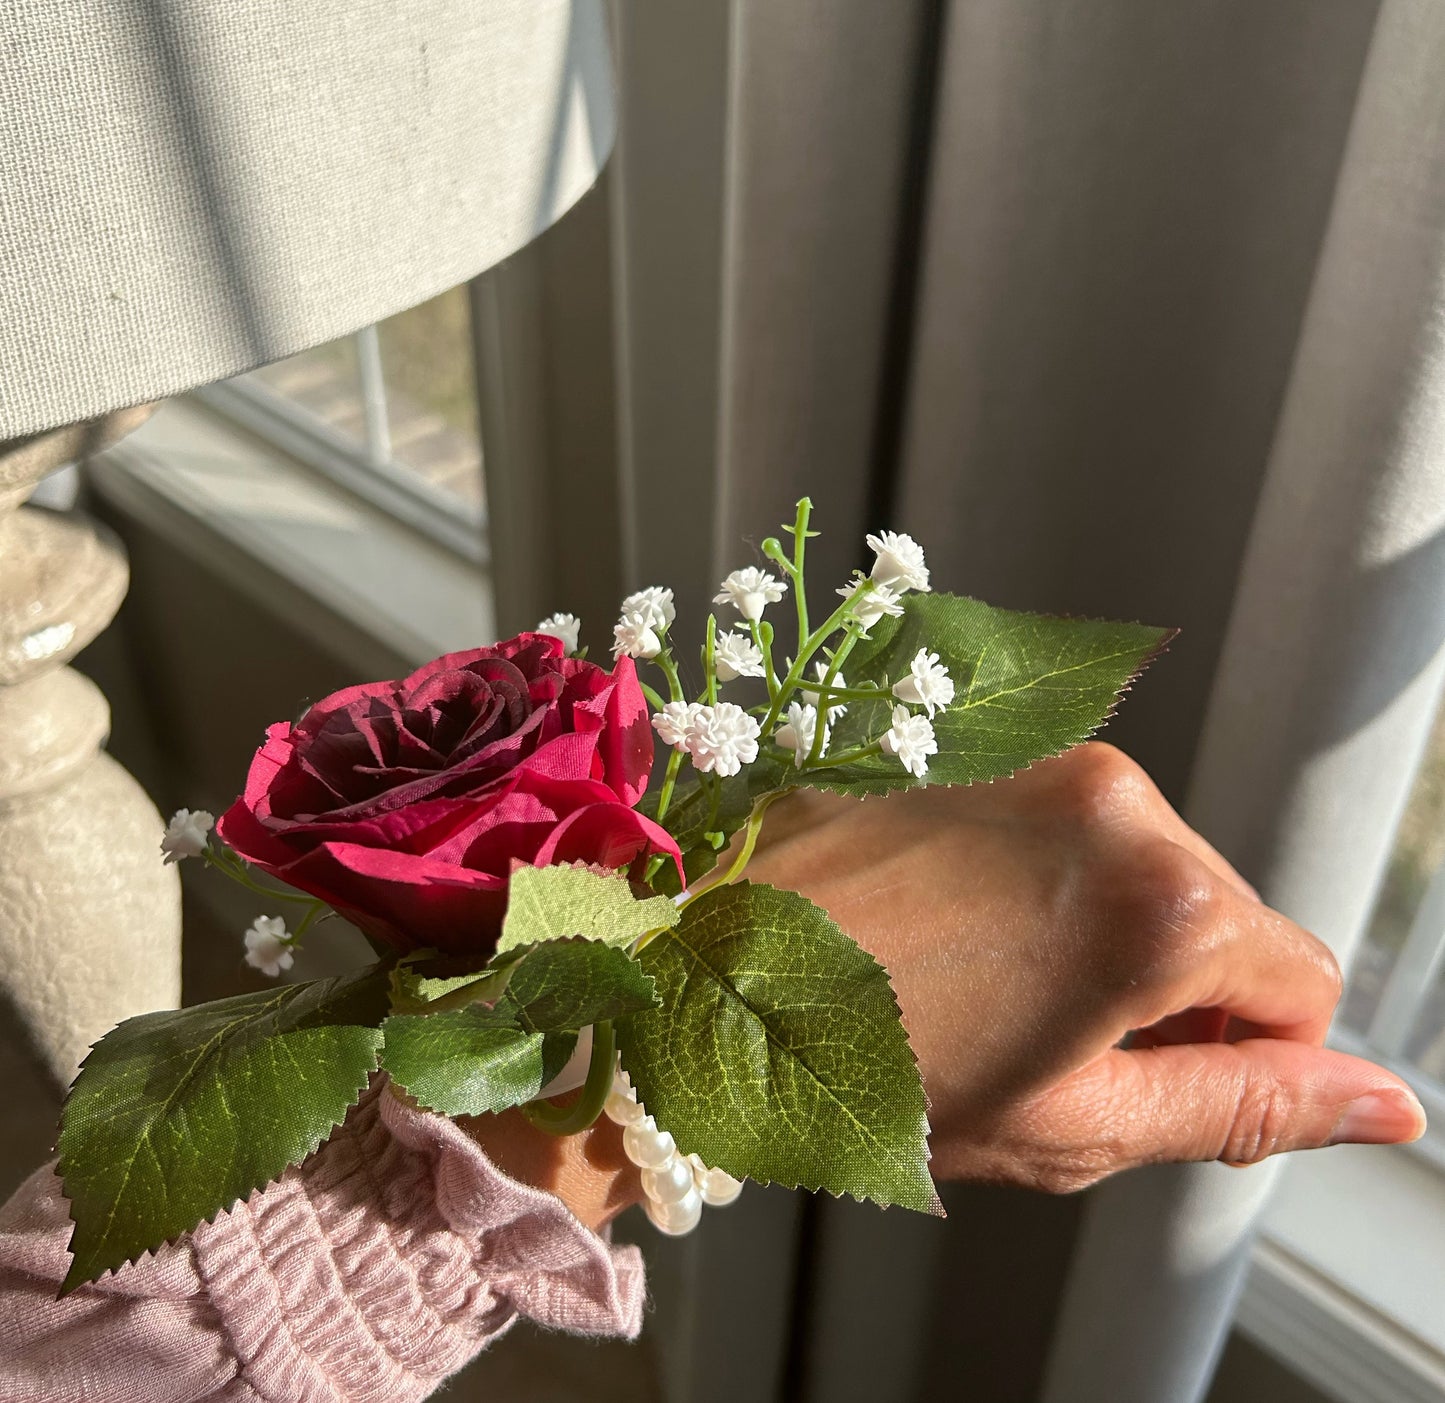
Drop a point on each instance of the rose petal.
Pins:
(318, 713)
(625, 745)
(524, 647)
(608, 834)
(405, 900)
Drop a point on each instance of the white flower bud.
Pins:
(185, 834)
(563, 626)
(735, 655)
(268, 946)
(750, 591)
(635, 637)
(898, 562)
(654, 604)
(722, 738)
(875, 603)
(927, 684)
(910, 738)
(672, 721)
(797, 732)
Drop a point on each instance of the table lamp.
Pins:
(189, 190)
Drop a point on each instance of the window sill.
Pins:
(1348, 1282)
(364, 584)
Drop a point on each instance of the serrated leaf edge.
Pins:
(60, 1171)
(1146, 661)
(410, 1094)
(592, 869)
(936, 1208)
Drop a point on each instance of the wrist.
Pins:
(588, 1171)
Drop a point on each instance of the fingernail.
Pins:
(1380, 1118)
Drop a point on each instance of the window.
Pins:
(389, 413)
(341, 488)
(1394, 1008)
(1350, 1270)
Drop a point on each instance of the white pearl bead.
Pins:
(676, 1218)
(669, 1182)
(718, 1188)
(647, 1146)
(622, 1082)
(622, 1110)
(698, 1169)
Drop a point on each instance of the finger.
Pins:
(1237, 1102)
(1229, 952)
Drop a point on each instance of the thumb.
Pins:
(1242, 1102)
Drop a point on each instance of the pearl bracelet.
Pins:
(675, 1186)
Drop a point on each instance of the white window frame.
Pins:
(368, 469)
(373, 587)
(1347, 1283)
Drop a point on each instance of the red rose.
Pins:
(405, 804)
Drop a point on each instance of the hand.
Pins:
(1030, 924)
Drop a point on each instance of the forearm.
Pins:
(383, 1263)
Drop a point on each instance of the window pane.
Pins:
(324, 382)
(1426, 1044)
(423, 407)
(1403, 917)
(426, 357)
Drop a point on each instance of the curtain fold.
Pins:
(1328, 683)
(1122, 309)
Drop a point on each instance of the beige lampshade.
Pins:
(193, 188)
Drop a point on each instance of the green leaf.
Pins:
(178, 1115)
(473, 1060)
(555, 903)
(778, 1052)
(691, 815)
(571, 983)
(1028, 687)
(425, 980)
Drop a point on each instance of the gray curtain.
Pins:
(1122, 308)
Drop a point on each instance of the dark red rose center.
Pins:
(380, 745)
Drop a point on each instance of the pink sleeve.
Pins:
(371, 1272)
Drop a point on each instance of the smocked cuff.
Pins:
(391, 1257)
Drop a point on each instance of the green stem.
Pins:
(669, 780)
(713, 781)
(815, 640)
(488, 988)
(309, 919)
(820, 728)
(847, 757)
(773, 549)
(664, 661)
(750, 840)
(837, 694)
(654, 699)
(709, 671)
(800, 537)
(570, 1120)
(232, 867)
(765, 647)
